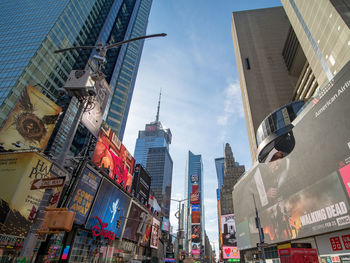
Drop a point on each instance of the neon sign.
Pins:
(100, 230)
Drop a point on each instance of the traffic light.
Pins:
(118, 223)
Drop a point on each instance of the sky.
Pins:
(195, 67)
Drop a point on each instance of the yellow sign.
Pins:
(17, 173)
(283, 246)
(31, 122)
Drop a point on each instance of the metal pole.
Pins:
(261, 234)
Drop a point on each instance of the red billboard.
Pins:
(113, 158)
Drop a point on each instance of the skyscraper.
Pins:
(194, 227)
(29, 35)
(152, 151)
(154, 135)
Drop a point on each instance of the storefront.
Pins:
(10, 247)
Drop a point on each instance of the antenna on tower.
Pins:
(160, 95)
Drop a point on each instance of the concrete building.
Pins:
(258, 38)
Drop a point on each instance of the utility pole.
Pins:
(261, 234)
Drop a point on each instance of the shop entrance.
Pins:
(298, 255)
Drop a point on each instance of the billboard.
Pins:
(136, 225)
(110, 208)
(230, 252)
(141, 184)
(196, 233)
(305, 193)
(155, 233)
(228, 230)
(166, 224)
(92, 119)
(195, 194)
(84, 194)
(113, 158)
(31, 122)
(18, 203)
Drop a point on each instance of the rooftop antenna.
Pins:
(160, 95)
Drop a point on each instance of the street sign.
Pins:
(48, 183)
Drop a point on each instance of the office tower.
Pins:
(160, 167)
(220, 166)
(154, 135)
(195, 207)
(30, 34)
(310, 48)
(259, 37)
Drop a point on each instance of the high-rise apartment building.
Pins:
(154, 135)
(194, 214)
(29, 35)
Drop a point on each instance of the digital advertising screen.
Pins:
(141, 183)
(305, 193)
(195, 194)
(228, 229)
(31, 122)
(137, 223)
(110, 206)
(84, 194)
(196, 233)
(155, 234)
(230, 252)
(113, 158)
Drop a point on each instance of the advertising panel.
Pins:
(196, 217)
(334, 243)
(92, 119)
(196, 233)
(31, 122)
(304, 193)
(155, 233)
(230, 252)
(109, 210)
(113, 158)
(196, 248)
(141, 183)
(19, 204)
(166, 224)
(84, 194)
(228, 229)
(195, 194)
(136, 225)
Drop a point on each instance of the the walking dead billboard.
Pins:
(306, 192)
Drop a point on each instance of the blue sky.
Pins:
(201, 102)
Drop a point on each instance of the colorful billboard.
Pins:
(230, 252)
(136, 225)
(228, 230)
(110, 208)
(165, 224)
(195, 194)
(305, 193)
(84, 194)
(19, 204)
(196, 233)
(141, 184)
(113, 158)
(31, 122)
(155, 233)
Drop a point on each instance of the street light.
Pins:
(179, 216)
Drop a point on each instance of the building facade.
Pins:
(194, 214)
(160, 167)
(30, 36)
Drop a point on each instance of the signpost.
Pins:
(48, 183)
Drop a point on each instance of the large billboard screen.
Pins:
(84, 194)
(141, 183)
(228, 230)
(92, 119)
(230, 252)
(113, 158)
(111, 207)
(18, 203)
(31, 122)
(155, 233)
(302, 194)
(137, 223)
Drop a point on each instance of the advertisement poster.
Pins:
(111, 207)
(84, 194)
(196, 233)
(136, 224)
(230, 252)
(141, 184)
(147, 233)
(196, 248)
(228, 229)
(166, 224)
(92, 119)
(195, 194)
(18, 203)
(297, 196)
(113, 158)
(155, 234)
(31, 122)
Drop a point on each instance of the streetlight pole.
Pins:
(179, 215)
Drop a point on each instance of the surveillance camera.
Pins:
(62, 92)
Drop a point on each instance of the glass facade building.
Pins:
(29, 35)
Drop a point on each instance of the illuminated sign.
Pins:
(230, 252)
(100, 229)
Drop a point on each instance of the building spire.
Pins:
(160, 95)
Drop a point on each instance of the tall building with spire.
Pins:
(152, 151)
